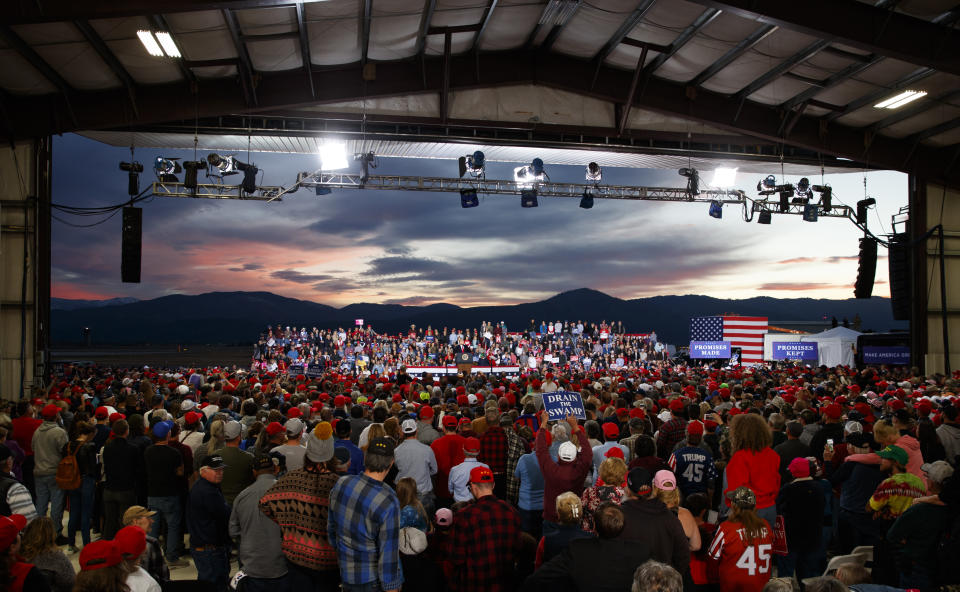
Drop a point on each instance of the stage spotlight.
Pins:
(803, 185)
(474, 163)
(333, 156)
(826, 196)
(784, 202)
(528, 198)
(810, 212)
(249, 183)
(767, 185)
(133, 176)
(368, 160)
(167, 169)
(693, 180)
(586, 202)
(716, 209)
(723, 177)
(862, 207)
(190, 176)
(468, 198)
(220, 166)
(322, 190)
(764, 217)
(528, 174)
(594, 173)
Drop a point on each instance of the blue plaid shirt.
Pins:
(364, 526)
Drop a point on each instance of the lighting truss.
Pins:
(334, 180)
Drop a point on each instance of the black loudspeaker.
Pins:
(899, 260)
(868, 268)
(131, 245)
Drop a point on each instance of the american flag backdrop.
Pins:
(743, 332)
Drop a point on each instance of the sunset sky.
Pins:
(415, 248)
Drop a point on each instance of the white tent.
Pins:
(835, 346)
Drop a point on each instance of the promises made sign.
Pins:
(560, 404)
(710, 349)
(795, 350)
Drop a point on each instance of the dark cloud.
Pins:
(292, 275)
(338, 285)
(247, 267)
(412, 301)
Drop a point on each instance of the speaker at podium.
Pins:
(464, 362)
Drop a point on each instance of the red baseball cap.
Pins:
(611, 430)
(10, 527)
(471, 445)
(273, 428)
(191, 418)
(99, 554)
(131, 540)
(426, 412)
(50, 411)
(101, 412)
(116, 416)
(449, 421)
(481, 475)
(833, 411)
(615, 452)
(676, 405)
(695, 427)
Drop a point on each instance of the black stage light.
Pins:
(764, 217)
(528, 198)
(167, 169)
(190, 176)
(693, 180)
(862, 207)
(133, 176)
(249, 183)
(468, 198)
(826, 196)
(586, 202)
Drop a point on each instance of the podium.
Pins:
(464, 362)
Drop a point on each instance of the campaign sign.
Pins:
(314, 370)
(887, 354)
(359, 322)
(560, 404)
(294, 369)
(710, 349)
(795, 350)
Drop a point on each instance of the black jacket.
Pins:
(590, 565)
(208, 515)
(650, 522)
(801, 504)
(122, 465)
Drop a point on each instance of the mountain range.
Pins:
(238, 317)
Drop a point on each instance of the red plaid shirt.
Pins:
(670, 434)
(493, 449)
(485, 541)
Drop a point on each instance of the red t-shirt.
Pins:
(744, 567)
(23, 429)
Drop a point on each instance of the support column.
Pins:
(24, 266)
(941, 206)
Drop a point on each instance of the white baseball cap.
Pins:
(567, 451)
(408, 426)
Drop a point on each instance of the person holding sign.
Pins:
(567, 473)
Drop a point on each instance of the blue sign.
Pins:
(560, 404)
(888, 354)
(710, 349)
(294, 369)
(315, 370)
(795, 350)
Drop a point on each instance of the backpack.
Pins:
(68, 471)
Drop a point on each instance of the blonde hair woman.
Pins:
(613, 471)
(569, 514)
(665, 490)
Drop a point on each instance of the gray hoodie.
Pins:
(949, 435)
(48, 442)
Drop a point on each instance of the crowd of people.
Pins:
(579, 345)
(679, 478)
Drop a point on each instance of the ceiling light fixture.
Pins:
(333, 156)
(901, 99)
(166, 42)
(151, 45)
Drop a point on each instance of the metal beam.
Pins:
(94, 39)
(936, 130)
(274, 36)
(632, 92)
(428, 8)
(551, 37)
(705, 18)
(772, 74)
(921, 106)
(41, 65)
(39, 116)
(366, 17)
(629, 24)
(445, 91)
(246, 66)
(488, 13)
(831, 81)
(305, 46)
(732, 54)
(877, 30)
(19, 13)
